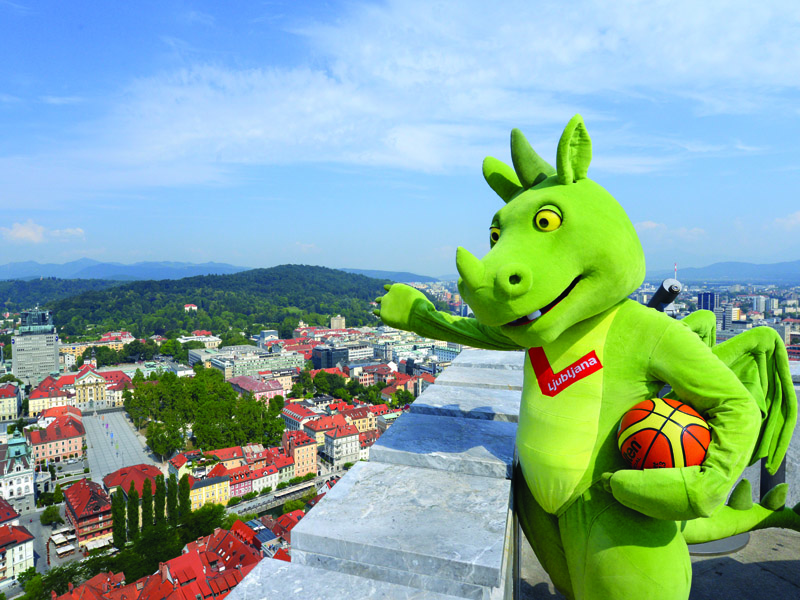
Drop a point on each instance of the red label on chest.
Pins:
(551, 384)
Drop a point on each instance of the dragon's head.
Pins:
(562, 249)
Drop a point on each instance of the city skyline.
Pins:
(350, 135)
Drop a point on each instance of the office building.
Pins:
(35, 347)
(707, 301)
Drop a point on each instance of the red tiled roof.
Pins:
(63, 411)
(298, 412)
(13, 535)
(326, 423)
(227, 453)
(340, 432)
(8, 391)
(87, 498)
(367, 438)
(329, 371)
(63, 428)
(218, 471)
(298, 438)
(283, 555)
(102, 586)
(7, 512)
(136, 474)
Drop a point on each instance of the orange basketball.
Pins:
(663, 433)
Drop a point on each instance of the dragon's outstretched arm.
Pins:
(406, 308)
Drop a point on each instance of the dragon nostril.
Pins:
(514, 279)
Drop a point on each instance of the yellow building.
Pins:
(89, 388)
(212, 490)
(363, 419)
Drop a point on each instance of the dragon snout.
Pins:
(513, 280)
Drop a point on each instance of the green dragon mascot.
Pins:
(564, 257)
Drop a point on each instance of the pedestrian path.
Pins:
(112, 444)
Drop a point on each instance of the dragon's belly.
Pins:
(556, 439)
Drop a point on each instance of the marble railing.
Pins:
(429, 515)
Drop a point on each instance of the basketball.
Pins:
(661, 433)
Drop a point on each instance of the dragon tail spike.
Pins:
(742, 496)
(775, 499)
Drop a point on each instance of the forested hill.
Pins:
(248, 301)
(19, 295)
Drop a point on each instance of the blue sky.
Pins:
(351, 134)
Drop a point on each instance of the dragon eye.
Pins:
(547, 220)
(494, 235)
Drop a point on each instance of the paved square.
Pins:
(113, 444)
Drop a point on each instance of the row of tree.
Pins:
(169, 504)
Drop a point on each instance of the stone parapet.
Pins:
(429, 516)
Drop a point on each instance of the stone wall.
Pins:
(429, 515)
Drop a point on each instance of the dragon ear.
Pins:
(574, 152)
(501, 178)
(530, 167)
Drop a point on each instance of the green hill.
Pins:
(17, 295)
(248, 301)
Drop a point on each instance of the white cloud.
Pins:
(659, 232)
(72, 232)
(24, 232)
(789, 222)
(61, 100)
(30, 232)
(394, 85)
(305, 248)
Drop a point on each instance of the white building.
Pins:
(16, 551)
(209, 341)
(266, 477)
(342, 446)
(10, 401)
(16, 470)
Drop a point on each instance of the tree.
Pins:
(147, 506)
(58, 494)
(133, 513)
(118, 519)
(172, 500)
(293, 505)
(159, 502)
(51, 515)
(184, 499)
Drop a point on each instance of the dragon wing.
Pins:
(758, 358)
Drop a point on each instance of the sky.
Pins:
(351, 134)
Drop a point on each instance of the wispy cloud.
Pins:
(194, 16)
(28, 232)
(33, 233)
(658, 232)
(60, 100)
(394, 84)
(788, 223)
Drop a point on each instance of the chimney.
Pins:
(70, 587)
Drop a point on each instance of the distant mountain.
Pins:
(736, 272)
(86, 268)
(398, 276)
